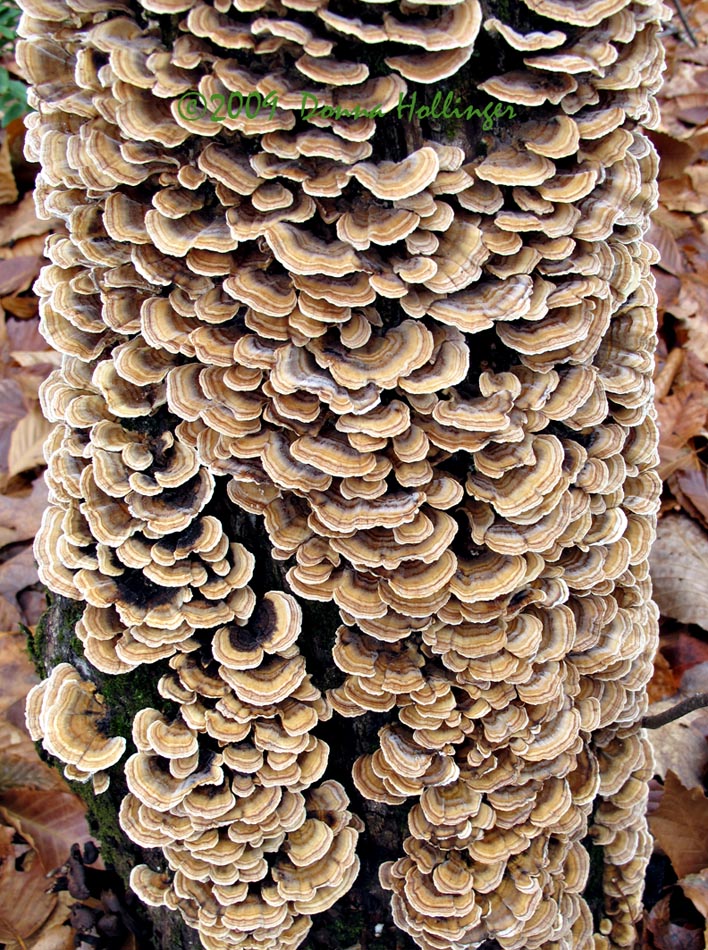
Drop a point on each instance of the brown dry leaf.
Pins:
(695, 887)
(12, 737)
(10, 615)
(24, 335)
(680, 746)
(667, 289)
(690, 488)
(22, 246)
(37, 359)
(8, 185)
(27, 442)
(665, 243)
(55, 934)
(691, 308)
(28, 772)
(17, 673)
(51, 821)
(24, 905)
(678, 194)
(18, 572)
(32, 603)
(661, 932)
(679, 569)
(21, 515)
(680, 825)
(18, 273)
(24, 308)
(12, 409)
(21, 221)
(681, 416)
(674, 154)
(663, 682)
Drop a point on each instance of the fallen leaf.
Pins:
(18, 572)
(12, 409)
(24, 905)
(680, 746)
(679, 569)
(22, 246)
(674, 155)
(21, 221)
(695, 887)
(31, 359)
(663, 682)
(8, 185)
(665, 243)
(17, 273)
(15, 739)
(680, 825)
(25, 335)
(55, 933)
(32, 604)
(695, 675)
(665, 933)
(667, 289)
(681, 417)
(683, 651)
(51, 821)
(21, 515)
(691, 311)
(10, 615)
(690, 488)
(17, 672)
(27, 441)
(21, 771)
(656, 922)
(24, 308)
(678, 194)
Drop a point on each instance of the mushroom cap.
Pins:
(398, 180)
(154, 787)
(585, 13)
(69, 721)
(309, 843)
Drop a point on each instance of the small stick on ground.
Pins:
(685, 24)
(676, 712)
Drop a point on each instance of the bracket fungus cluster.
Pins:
(429, 374)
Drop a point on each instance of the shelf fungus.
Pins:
(69, 717)
(320, 316)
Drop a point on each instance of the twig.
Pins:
(667, 374)
(685, 23)
(698, 701)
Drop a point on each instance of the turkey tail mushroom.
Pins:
(428, 371)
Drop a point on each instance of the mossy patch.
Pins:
(103, 822)
(54, 639)
(128, 693)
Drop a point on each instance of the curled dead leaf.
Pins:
(24, 903)
(680, 825)
(27, 441)
(679, 569)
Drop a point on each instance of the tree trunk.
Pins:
(577, 566)
(355, 917)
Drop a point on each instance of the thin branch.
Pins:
(698, 701)
(684, 22)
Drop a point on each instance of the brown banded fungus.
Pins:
(66, 713)
(428, 372)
